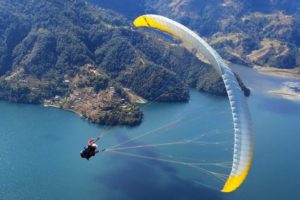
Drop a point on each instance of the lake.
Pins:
(39, 151)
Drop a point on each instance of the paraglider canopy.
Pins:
(243, 134)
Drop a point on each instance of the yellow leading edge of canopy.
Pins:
(233, 182)
(149, 22)
(146, 21)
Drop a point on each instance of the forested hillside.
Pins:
(72, 55)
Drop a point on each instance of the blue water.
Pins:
(39, 151)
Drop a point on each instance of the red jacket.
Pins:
(90, 142)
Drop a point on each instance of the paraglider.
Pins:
(91, 149)
(243, 133)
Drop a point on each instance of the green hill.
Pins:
(90, 60)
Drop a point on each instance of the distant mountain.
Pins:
(72, 55)
(128, 8)
(248, 32)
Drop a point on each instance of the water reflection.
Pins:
(150, 180)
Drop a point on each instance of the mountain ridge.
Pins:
(236, 28)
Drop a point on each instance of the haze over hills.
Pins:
(248, 32)
(92, 61)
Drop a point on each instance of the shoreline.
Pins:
(289, 90)
(286, 94)
(58, 107)
(283, 73)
